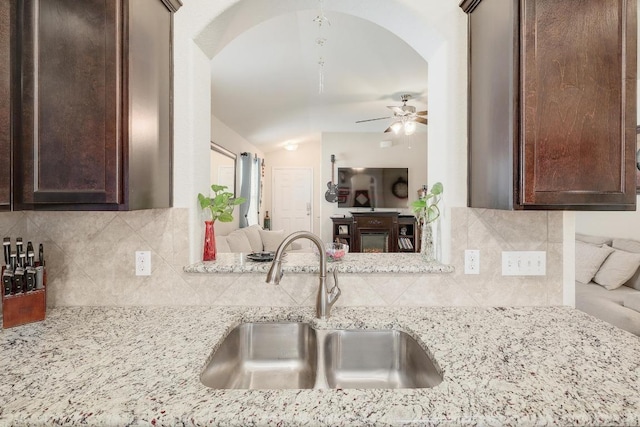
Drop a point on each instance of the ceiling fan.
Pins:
(406, 117)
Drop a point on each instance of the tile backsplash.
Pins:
(90, 261)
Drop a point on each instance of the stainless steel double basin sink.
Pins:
(296, 356)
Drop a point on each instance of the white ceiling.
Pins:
(265, 82)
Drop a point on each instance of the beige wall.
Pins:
(614, 224)
(90, 261)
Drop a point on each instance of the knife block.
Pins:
(28, 307)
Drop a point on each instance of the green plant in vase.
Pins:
(221, 205)
(427, 210)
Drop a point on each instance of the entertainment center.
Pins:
(373, 232)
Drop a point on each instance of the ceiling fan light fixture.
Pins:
(396, 127)
(409, 127)
(406, 118)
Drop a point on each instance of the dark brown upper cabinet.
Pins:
(6, 11)
(552, 104)
(92, 93)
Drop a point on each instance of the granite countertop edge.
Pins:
(411, 263)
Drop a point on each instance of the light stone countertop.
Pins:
(140, 366)
(301, 262)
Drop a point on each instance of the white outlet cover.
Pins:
(471, 261)
(143, 263)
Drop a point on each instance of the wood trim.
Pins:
(125, 106)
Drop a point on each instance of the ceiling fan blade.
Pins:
(396, 110)
(422, 113)
(421, 120)
(388, 129)
(370, 120)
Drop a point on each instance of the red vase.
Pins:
(209, 253)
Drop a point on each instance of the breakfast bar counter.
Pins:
(140, 366)
(302, 262)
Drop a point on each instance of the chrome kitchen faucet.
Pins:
(325, 298)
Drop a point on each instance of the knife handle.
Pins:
(41, 254)
(7, 282)
(39, 277)
(30, 279)
(6, 245)
(18, 281)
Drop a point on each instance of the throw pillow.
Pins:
(617, 269)
(238, 242)
(589, 258)
(629, 246)
(253, 234)
(594, 240)
(271, 239)
(632, 301)
(626, 245)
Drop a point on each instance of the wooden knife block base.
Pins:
(28, 307)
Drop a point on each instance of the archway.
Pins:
(435, 29)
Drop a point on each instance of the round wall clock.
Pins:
(400, 189)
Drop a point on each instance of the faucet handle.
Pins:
(335, 291)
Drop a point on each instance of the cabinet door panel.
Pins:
(5, 105)
(577, 121)
(70, 102)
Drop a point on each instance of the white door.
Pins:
(291, 196)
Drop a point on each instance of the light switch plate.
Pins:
(143, 263)
(524, 263)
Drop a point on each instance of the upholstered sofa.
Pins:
(608, 280)
(254, 239)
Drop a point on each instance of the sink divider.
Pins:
(321, 371)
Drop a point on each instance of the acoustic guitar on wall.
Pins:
(331, 195)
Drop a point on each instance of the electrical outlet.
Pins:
(143, 263)
(471, 261)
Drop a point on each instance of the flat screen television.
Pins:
(384, 188)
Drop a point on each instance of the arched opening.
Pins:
(436, 31)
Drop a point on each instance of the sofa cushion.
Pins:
(632, 301)
(238, 242)
(617, 268)
(271, 239)
(626, 245)
(608, 305)
(629, 246)
(594, 240)
(589, 258)
(222, 245)
(253, 234)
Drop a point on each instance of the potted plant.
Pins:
(427, 211)
(221, 205)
